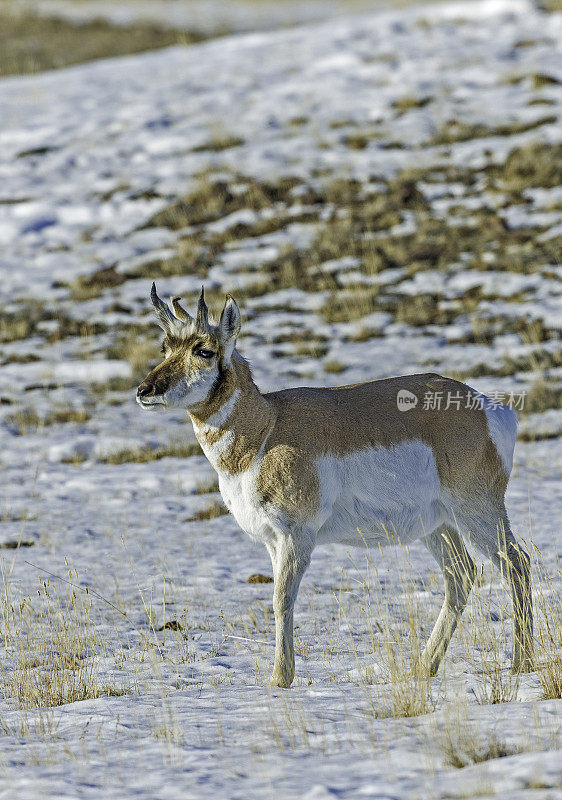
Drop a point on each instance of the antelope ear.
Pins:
(229, 325)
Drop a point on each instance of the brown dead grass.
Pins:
(145, 454)
(456, 131)
(259, 578)
(212, 511)
(32, 43)
(213, 198)
(542, 396)
(535, 164)
(28, 420)
(465, 747)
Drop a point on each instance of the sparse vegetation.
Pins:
(14, 544)
(214, 197)
(33, 43)
(310, 348)
(334, 366)
(375, 252)
(50, 643)
(35, 318)
(360, 141)
(207, 487)
(345, 306)
(142, 455)
(549, 628)
(466, 746)
(350, 214)
(138, 347)
(87, 286)
(458, 131)
(27, 420)
(536, 164)
(219, 141)
(541, 396)
(211, 511)
(407, 102)
(392, 635)
(551, 5)
(258, 578)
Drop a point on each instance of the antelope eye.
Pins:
(205, 353)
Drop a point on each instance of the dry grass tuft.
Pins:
(207, 486)
(486, 638)
(216, 197)
(212, 511)
(395, 637)
(420, 310)
(258, 578)
(531, 165)
(28, 420)
(32, 43)
(456, 131)
(334, 366)
(548, 605)
(143, 455)
(138, 349)
(407, 102)
(219, 141)
(50, 645)
(15, 544)
(351, 305)
(466, 746)
(541, 396)
(86, 287)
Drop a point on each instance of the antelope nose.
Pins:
(145, 389)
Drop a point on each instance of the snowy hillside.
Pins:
(381, 193)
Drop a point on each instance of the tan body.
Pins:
(307, 466)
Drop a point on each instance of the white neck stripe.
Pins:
(218, 419)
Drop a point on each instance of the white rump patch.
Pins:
(502, 424)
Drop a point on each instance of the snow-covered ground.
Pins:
(88, 156)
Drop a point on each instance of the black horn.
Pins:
(202, 318)
(168, 322)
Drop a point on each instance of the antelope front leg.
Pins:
(290, 556)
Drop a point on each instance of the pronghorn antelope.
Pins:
(305, 466)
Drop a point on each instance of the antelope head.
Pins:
(196, 352)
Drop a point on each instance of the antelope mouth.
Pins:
(149, 402)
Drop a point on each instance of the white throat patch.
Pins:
(184, 394)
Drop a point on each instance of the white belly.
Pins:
(379, 495)
(374, 496)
